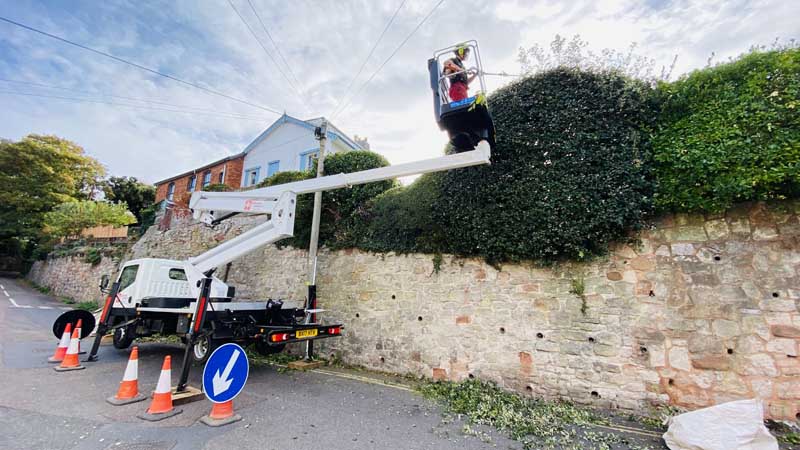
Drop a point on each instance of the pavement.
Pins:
(44, 409)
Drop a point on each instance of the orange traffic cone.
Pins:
(129, 387)
(70, 361)
(221, 414)
(80, 335)
(161, 406)
(63, 344)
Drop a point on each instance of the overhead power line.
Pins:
(419, 25)
(139, 66)
(255, 36)
(143, 100)
(277, 48)
(126, 105)
(371, 52)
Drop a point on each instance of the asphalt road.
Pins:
(44, 409)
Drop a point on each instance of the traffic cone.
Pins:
(63, 344)
(221, 414)
(80, 335)
(129, 387)
(71, 361)
(161, 406)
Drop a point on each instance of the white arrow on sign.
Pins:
(220, 382)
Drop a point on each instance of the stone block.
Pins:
(785, 331)
(643, 263)
(778, 305)
(663, 250)
(683, 249)
(439, 374)
(716, 229)
(789, 367)
(712, 363)
(760, 365)
(679, 358)
(740, 225)
(788, 389)
(606, 350)
(725, 329)
(782, 346)
(463, 320)
(705, 344)
(765, 233)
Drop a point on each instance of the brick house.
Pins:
(179, 188)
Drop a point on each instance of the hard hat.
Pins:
(462, 48)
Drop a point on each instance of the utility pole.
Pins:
(322, 134)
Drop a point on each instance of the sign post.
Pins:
(224, 377)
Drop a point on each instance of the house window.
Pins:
(251, 176)
(221, 178)
(307, 159)
(207, 178)
(170, 191)
(192, 183)
(273, 168)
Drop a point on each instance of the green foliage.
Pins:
(88, 305)
(36, 174)
(285, 177)
(147, 216)
(525, 419)
(68, 219)
(342, 223)
(730, 133)
(134, 193)
(217, 187)
(401, 219)
(569, 174)
(93, 256)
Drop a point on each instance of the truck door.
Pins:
(126, 280)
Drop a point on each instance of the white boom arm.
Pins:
(279, 202)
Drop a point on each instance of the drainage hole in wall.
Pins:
(671, 382)
(419, 318)
(502, 330)
(539, 335)
(529, 388)
(730, 351)
(651, 294)
(717, 258)
(591, 339)
(393, 297)
(471, 376)
(595, 394)
(643, 349)
(791, 356)
(797, 416)
(382, 360)
(775, 295)
(358, 315)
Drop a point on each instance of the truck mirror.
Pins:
(103, 281)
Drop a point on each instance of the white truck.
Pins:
(166, 296)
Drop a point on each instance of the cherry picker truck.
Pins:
(184, 298)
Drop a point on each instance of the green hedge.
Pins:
(730, 133)
(569, 173)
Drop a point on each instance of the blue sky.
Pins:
(324, 42)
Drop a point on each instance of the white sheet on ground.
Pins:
(735, 425)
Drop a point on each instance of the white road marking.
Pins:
(66, 308)
(15, 305)
(2, 287)
(6, 292)
(45, 307)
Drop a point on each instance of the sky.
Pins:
(321, 44)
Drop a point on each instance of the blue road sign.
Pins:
(225, 373)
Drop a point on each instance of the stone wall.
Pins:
(701, 311)
(72, 276)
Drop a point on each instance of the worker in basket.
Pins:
(458, 75)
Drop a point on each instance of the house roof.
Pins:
(200, 169)
(333, 132)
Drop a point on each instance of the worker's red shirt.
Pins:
(458, 91)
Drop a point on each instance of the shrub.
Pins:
(569, 172)
(217, 187)
(285, 177)
(730, 133)
(401, 219)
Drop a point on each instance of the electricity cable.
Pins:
(419, 25)
(369, 56)
(141, 67)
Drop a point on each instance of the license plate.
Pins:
(302, 334)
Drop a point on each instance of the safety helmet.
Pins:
(462, 49)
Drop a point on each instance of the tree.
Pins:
(133, 192)
(70, 218)
(36, 174)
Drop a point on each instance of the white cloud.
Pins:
(325, 43)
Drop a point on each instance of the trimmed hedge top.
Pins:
(730, 133)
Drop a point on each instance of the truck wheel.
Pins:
(202, 348)
(123, 337)
(265, 350)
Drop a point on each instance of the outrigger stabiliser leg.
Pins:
(105, 316)
(195, 327)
